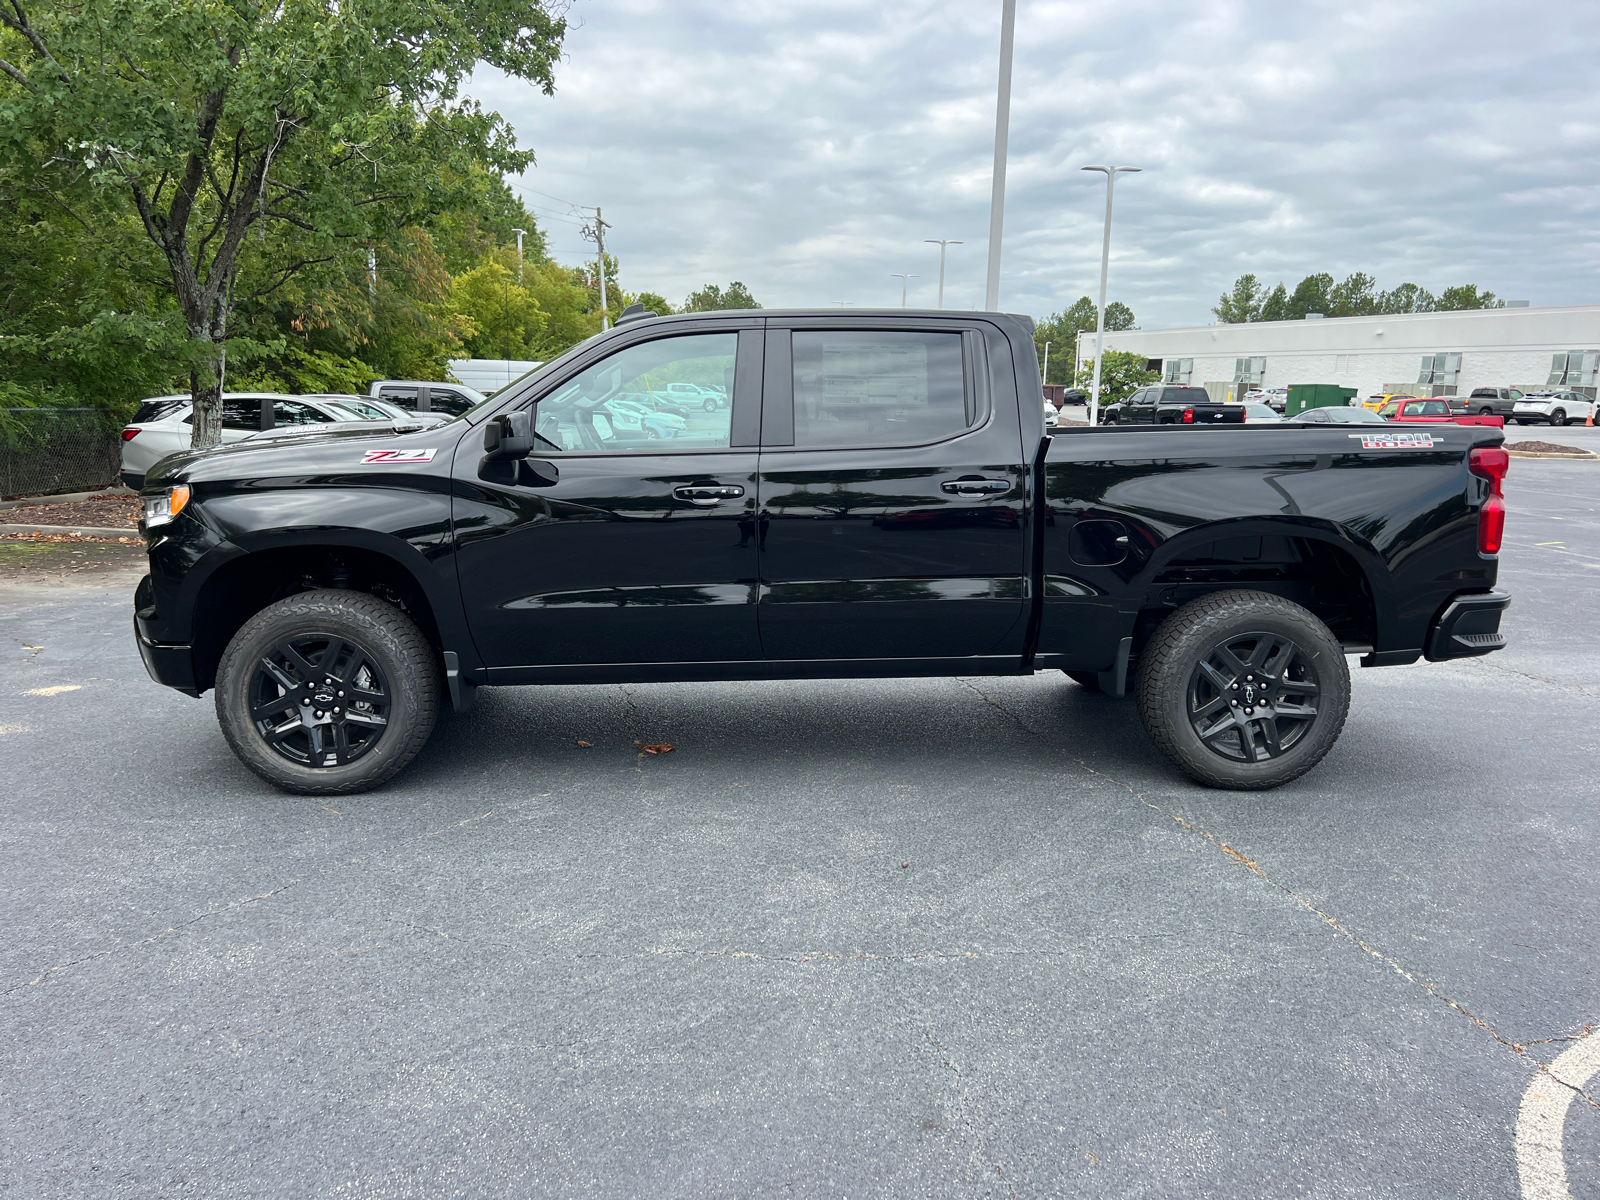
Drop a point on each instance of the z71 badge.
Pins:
(1395, 441)
(399, 456)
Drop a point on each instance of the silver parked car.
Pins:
(164, 425)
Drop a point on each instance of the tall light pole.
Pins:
(1105, 268)
(1044, 376)
(1002, 128)
(942, 243)
(905, 280)
(519, 233)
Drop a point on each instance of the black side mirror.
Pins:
(508, 436)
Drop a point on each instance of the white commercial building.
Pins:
(1423, 354)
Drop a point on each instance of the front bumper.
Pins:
(168, 663)
(1468, 626)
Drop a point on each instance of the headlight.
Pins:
(158, 510)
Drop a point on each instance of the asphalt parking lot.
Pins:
(888, 938)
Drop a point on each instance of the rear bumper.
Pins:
(1468, 626)
(168, 663)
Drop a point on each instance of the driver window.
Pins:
(670, 394)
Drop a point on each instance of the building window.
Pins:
(1249, 370)
(1440, 369)
(1575, 368)
(1178, 370)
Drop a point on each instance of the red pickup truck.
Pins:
(1432, 412)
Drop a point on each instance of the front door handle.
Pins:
(707, 494)
(974, 485)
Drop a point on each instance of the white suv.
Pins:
(1553, 408)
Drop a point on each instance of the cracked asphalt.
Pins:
(938, 937)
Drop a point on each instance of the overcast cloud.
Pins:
(808, 148)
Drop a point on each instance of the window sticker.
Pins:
(399, 456)
(1394, 441)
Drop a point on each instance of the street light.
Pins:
(519, 233)
(1002, 129)
(1105, 268)
(942, 243)
(904, 281)
(1044, 376)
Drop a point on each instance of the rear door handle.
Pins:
(708, 494)
(973, 485)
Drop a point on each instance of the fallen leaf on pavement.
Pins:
(52, 691)
(905, 864)
(657, 747)
(334, 811)
(584, 744)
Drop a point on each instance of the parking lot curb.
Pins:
(88, 531)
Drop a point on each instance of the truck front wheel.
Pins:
(1243, 690)
(327, 692)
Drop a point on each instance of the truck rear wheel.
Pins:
(327, 692)
(1243, 690)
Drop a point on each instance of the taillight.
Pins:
(1491, 463)
(129, 432)
(1188, 416)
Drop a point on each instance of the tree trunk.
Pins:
(206, 381)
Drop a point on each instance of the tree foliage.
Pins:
(1356, 296)
(325, 127)
(1061, 330)
(712, 298)
(1123, 373)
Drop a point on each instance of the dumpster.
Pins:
(1316, 395)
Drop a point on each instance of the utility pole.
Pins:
(597, 232)
(1002, 128)
(1105, 268)
(519, 233)
(942, 243)
(372, 275)
(904, 281)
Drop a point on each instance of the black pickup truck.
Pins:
(879, 499)
(1171, 404)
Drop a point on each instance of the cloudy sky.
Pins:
(807, 147)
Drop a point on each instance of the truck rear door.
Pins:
(892, 491)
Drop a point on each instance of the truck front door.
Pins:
(892, 492)
(629, 534)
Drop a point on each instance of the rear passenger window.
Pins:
(878, 388)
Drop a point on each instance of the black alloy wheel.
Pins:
(1243, 689)
(319, 700)
(1559, 417)
(327, 692)
(1253, 697)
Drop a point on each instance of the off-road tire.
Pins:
(381, 631)
(1189, 636)
(1084, 679)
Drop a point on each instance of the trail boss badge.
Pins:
(1395, 441)
(399, 456)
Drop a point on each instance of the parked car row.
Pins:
(165, 424)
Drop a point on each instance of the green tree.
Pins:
(653, 302)
(1408, 297)
(1061, 330)
(1357, 296)
(1276, 306)
(1123, 374)
(1464, 296)
(505, 318)
(711, 298)
(1313, 294)
(1241, 304)
(329, 120)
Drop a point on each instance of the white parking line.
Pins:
(1543, 1117)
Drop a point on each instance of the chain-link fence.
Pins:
(45, 450)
